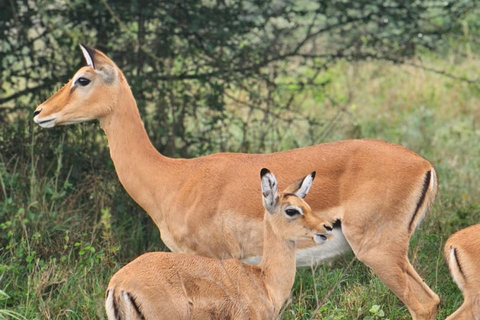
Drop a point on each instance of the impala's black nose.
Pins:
(36, 112)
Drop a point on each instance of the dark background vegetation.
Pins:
(208, 76)
(183, 58)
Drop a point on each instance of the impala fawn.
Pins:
(378, 191)
(166, 285)
(462, 253)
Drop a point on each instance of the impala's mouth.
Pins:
(45, 123)
(320, 238)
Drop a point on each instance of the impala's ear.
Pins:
(100, 63)
(301, 187)
(88, 53)
(269, 190)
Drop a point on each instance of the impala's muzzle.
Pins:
(44, 123)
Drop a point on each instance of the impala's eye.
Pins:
(292, 212)
(83, 81)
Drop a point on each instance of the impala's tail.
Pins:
(122, 306)
(426, 199)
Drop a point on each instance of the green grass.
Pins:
(65, 229)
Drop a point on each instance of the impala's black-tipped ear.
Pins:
(101, 64)
(301, 187)
(263, 172)
(89, 54)
(269, 190)
(305, 185)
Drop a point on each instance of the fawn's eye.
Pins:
(292, 212)
(83, 81)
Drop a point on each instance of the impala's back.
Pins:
(462, 253)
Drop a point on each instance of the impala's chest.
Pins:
(168, 238)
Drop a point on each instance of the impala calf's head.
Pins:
(288, 214)
(90, 94)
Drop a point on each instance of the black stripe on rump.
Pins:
(457, 261)
(115, 307)
(426, 183)
(135, 306)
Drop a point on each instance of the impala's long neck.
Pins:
(139, 166)
(278, 265)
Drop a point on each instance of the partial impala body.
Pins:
(462, 253)
(167, 285)
(378, 191)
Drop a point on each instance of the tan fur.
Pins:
(462, 253)
(206, 205)
(185, 286)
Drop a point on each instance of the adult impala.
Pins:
(166, 285)
(462, 253)
(378, 191)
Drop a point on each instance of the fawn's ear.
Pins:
(269, 190)
(100, 63)
(301, 187)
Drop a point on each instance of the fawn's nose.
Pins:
(36, 112)
(320, 238)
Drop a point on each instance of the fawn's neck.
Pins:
(278, 265)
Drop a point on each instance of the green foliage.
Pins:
(376, 313)
(6, 313)
(188, 60)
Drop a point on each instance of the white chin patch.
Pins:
(45, 123)
(320, 238)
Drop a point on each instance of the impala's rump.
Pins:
(132, 309)
(185, 288)
(462, 254)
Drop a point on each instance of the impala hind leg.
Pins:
(389, 261)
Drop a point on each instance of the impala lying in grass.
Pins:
(378, 191)
(462, 253)
(165, 285)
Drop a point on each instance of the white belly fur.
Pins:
(336, 246)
